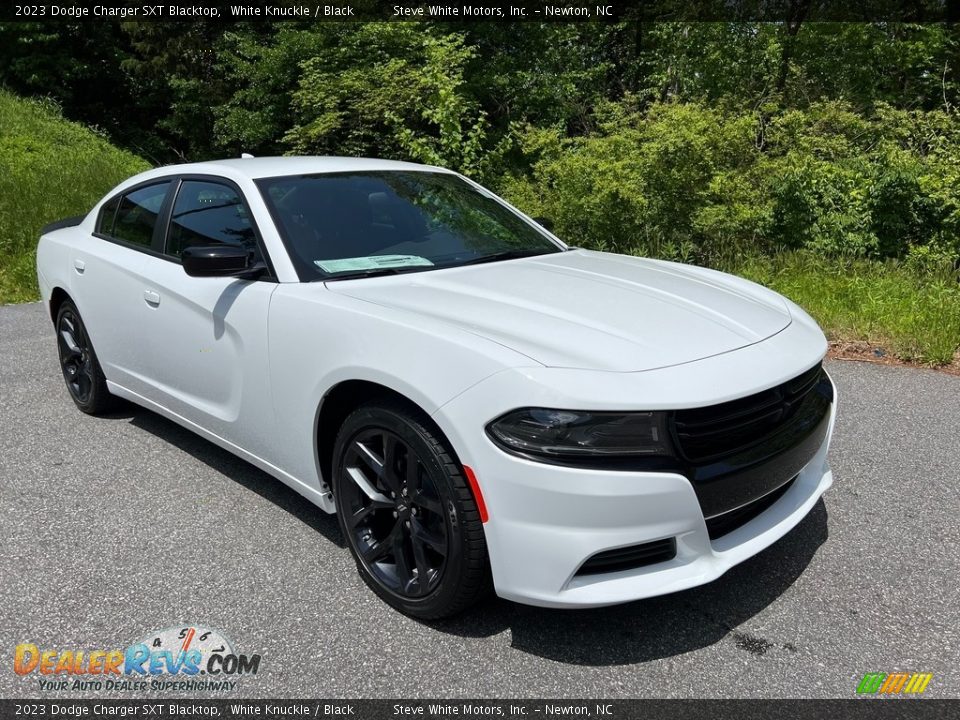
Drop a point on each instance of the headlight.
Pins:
(568, 433)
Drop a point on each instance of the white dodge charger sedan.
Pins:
(483, 406)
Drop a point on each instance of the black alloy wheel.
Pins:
(394, 513)
(407, 512)
(78, 361)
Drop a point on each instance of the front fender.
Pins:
(319, 339)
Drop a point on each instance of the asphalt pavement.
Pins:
(116, 527)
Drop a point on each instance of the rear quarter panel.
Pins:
(53, 261)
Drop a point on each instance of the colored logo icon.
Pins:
(894, 683)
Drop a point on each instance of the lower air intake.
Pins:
(720, 525)
(630, 558)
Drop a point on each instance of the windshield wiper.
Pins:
(492, 257)
(374, 272)
(502, 255)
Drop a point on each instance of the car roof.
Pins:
(260, 167)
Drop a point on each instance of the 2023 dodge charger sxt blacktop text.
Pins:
(482, 405)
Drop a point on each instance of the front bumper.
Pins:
(546, 521)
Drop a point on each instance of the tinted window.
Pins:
(340, 224)
(207, 213)
(137, 214)
(107, 214)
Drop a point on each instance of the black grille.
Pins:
(728, 522)
(709, 433)
(630, 558)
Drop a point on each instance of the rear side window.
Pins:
(107, 214)
(209, 213)
(136, 215)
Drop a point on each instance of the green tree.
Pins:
(394, 90)
(173, 70)
(263, 70)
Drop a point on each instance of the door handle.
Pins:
(79, 265)
(152, 298)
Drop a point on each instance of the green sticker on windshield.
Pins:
(372, 262)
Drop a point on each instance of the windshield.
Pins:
(339, 225)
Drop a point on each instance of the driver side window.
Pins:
(209, 213)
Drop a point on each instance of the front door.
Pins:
(209, 334)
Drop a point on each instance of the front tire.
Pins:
(407, 512)
(78, 362)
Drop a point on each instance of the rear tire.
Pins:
(78, 362)
(407, 512)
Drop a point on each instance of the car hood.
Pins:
(589, 310)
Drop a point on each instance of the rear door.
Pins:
(208, 360)
(108, 281)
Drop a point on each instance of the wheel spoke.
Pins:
(79, 335)
(384, 547)
(390, 449)
(360, 515)
(424, 501)
(69, 345)
(83, 386)
(368, 456)
(411, 470)
(423, 567)
(356, 474)
(404, 572)
(421, 534)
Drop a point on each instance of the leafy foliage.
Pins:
(49, 169)
(392, 87)
(692, 182)
(723, 143)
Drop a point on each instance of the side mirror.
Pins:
(219, 261)
(544, 222)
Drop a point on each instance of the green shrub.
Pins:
(49, 169)
(685, 181)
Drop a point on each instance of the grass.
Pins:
(50, 168)
(913, 314)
